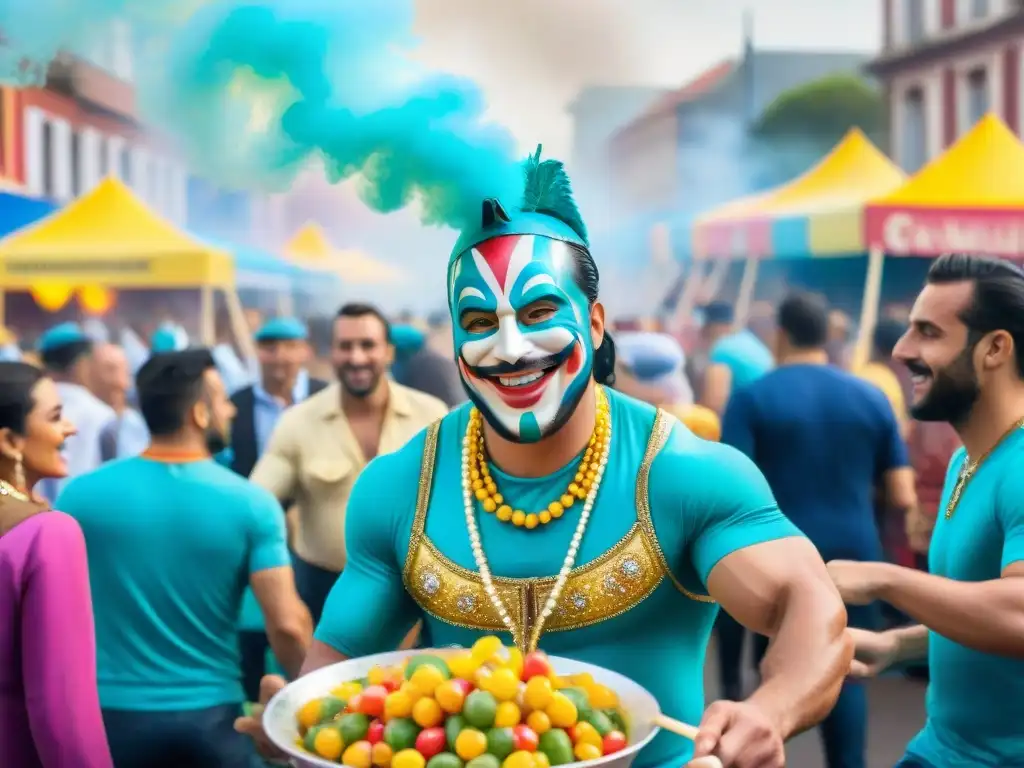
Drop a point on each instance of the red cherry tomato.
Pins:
(371, 700)
(463, 685)
(524, 738)
(390, 685)
(430, 742)
(375, 732)
(614, 741)
(536, 664)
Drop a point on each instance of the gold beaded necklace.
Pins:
(970, 468)
(486, 489)
(8, 489)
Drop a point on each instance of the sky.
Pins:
(531, 57)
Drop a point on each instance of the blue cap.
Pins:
(60, 336)
(407, 338)
(282, 329)
(168, 338)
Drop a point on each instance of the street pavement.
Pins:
(896, 713)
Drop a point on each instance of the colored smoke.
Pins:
(253, 91)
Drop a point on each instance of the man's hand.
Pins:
(858, 583)
(740, 735)
(252, 725)
(919, 530)
(874, 652)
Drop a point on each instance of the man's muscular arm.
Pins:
(781, 589)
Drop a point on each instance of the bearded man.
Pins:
(965, 351)
(566, 516)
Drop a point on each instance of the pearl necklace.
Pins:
(482, 565)
(8, 489)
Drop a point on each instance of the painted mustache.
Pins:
(531, 364)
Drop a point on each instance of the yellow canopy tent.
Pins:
(110, 238)
(310, 248)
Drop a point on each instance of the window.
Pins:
(126, 167)
(103, 158)
(914, 143)
(977, 96)
(979, 9)
(49, 167)
(914, 10)
(76, 164)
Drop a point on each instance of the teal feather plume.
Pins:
(549, 191)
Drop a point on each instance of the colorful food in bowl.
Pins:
(487, 707)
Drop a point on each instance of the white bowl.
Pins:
(281, 725)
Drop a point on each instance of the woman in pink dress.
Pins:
(49, 707)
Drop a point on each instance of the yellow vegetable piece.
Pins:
(380, 755)
(602, 697)
(486, 647)
(328, 744)
(507, 715)
(426, 678)
(586, 752)
(427, 713)
(463, 664)
(411, 691)
(482, 678)
(538, 693)
(515, 661)
(376, 675)
(309, 714)
(562, 711)
(539, 722)
(504, 684)
(560, 682)
(520, 759)
(450, 696)
(540, 760)
(397, 704)
(408, 758)
(347, 690)
(470, 743)
(585, 733)
(357, 755)
(582, 679)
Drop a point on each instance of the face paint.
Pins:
(521, 332)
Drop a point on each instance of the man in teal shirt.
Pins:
(174, 538)
(735, 357)
(965, 350)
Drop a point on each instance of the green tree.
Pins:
(824, 110)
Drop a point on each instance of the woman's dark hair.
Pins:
(588, 278)
(998, 300)
(169, 384)
(17, 380)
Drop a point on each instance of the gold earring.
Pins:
(19, 473)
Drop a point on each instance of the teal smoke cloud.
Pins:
(252, 91)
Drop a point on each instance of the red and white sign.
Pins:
(734, 239)
(932, 231)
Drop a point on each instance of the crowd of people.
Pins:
(212, 534)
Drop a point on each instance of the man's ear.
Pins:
(201, 415)
(597, 324)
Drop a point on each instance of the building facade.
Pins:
(945, 64)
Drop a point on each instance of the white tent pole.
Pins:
(746, 290)
(869, 308)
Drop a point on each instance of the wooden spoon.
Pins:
(687, 732)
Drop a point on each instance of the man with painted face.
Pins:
(965, 351)
(562, 514)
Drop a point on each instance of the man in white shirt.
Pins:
(127, 435)
(66, 354)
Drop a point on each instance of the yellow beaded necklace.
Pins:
(486, 490)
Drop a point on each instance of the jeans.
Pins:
(314, 584)
(253, 645)
(844, 731)
(198, 738)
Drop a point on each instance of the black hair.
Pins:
(587, 277)
(168, 385)
(803, 317)
(62, 358)
(998, 300)
(17, 380)
(887, 333)
(357, 309)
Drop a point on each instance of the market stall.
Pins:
(109, 240)
(971, 198)
(818, 214)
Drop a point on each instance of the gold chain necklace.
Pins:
(969, 468)
(483, 567)
(7, 489)
(486, 490)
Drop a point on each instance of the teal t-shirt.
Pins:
(171, 547)
(747, 358)
(975, 716)
(707, 500)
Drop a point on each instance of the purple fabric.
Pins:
(49, 707)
